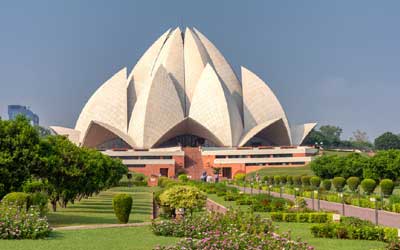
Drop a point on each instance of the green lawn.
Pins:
(302, 230)
(305, 170)
(133, 238)
(98, 209)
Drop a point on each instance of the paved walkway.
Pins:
(384, 217)
(97, 226)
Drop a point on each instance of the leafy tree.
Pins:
(387, 141)
(329, 166)
(19, 144)
(329, 136)
(385, 164)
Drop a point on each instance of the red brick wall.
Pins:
(154, 169)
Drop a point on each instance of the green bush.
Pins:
(289, 180)
(18, 199)
(305, 181)
(327, 184)
(186, 197)
(40, 200)
(352, 183)
(368, 185)
(270, 180)
(349, 231)
(315, 181)
(276, 216)
(387, 186)
(290, 217)
(240, 177)
(297, 180)
(283, 179)
(277, 180)
(34, 186)
(183, 178)
(303, 217)
(338, 183)
(320, 217)
(138, 177)
(122, 204)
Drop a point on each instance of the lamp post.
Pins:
(341, 196)
(259, 187)
(281, 191)
(295, 192)
(318, 203)
(251, 187)
(269, 190)
(312, 200)
(372, 199)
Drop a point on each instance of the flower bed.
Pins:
(234, 230)
(21, 223)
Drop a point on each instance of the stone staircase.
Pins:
(193, 162)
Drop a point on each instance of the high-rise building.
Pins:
(14, 110)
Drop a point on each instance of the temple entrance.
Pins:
(227, 172)
(164, 172)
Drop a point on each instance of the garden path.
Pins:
(385, 218)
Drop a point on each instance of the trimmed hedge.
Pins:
(18, 199)
(338, 183)
(297, 180)
(343, 231)
(387, 186)
(301, 217)
(315, 181)
(122, 204)
(368, 185)
(327, 184)
(353, 183)
(305, 181)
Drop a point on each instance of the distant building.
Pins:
(14, 110)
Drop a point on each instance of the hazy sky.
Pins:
(334, 62)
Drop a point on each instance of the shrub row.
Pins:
(343, 231)
(301, 217)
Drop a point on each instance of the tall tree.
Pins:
(386, 141)
(19, 144)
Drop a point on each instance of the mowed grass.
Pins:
(98, 209)
(304, 170)
(132, 238)
(302, 231)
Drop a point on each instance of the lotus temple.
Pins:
(183, 109)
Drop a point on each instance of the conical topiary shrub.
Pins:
(122, 204)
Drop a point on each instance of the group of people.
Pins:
(208, 178)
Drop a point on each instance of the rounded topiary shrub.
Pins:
(289, 180)
(239, 177)
(297, 180)
(368, 185)
(186, 197)
(305, 181)
(18, 199)
(283, 179)
(183, 178)
(122, 204)
(327, 184)
(338, 183)
(353, 182)
(315, 181)
(277, 180)
(387, 186)
(270, 180)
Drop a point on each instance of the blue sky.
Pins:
(334, 62)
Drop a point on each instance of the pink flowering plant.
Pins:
(21, 223)
(235, 230)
